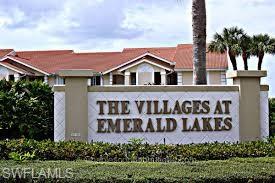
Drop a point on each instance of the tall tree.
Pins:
(228, 41)
(199, 42)
(245, 46)
(262, 44)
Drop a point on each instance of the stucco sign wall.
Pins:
(158, 117)
(161, 114)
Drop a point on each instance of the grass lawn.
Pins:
(232, 170)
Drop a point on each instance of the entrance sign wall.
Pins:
(161, 114)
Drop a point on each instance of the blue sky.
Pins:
(97, 25)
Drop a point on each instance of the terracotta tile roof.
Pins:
(4, 52)
(40, 54)
(163, 52)
(184, 58)
(99, 62)
(52, 61)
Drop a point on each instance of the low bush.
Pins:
(252, 170)
(49, 150)
(26, 110)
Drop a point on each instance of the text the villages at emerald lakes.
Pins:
(122, 124)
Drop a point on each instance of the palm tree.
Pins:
(228, 42)
(245, 46)
(199, 42)
(262, 44)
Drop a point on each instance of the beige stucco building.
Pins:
(132, 66)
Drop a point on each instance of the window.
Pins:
(172, 78)
(223, 78)
(95, 81)
(11, 77)
(133, 78)
(118, 80)
(59, 80)
(36, 78)
(157, 78)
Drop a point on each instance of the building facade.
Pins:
(132, 66)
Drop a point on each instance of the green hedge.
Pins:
(26, 110)
(251, 170)
(49, 150)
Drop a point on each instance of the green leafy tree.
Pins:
(262, 44)
(228, 41)
(199, 42)
(26, 110)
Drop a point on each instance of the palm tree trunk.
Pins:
(199, 42)
(233, 61)
(260, 61)
(245, 60)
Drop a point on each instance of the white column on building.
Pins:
(46, 79)
(111, 78)
(89, 82)
(127, 78)
(101, 80)
(179, 78)
(16, 77)
(7, 77)
(208, 78)
(163, 77)
(153, 78)
(136, 78)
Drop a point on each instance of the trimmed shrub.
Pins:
(49, 150)
(26, 110)
(254, 170)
